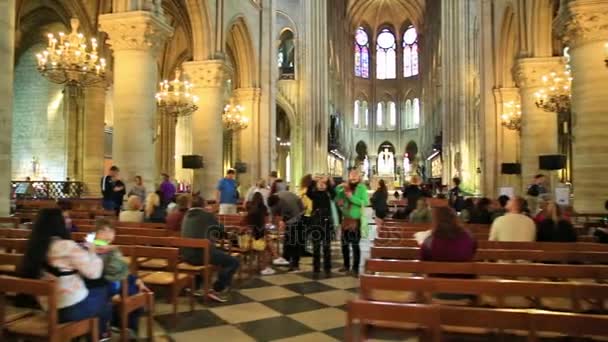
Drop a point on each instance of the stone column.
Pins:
(7, 56)
(538, 128)
(136, 38)
(585, 30)
(268, 81)
(209, 78)
(183, 146)
(508, 141)
(249, 142)
(93, 156)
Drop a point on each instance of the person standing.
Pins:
(352, 198)
(226, 195)
(289, 208)
(119, 195)
(379, 203)
(109, 187)
(138, 189)
(513, 226)
(321, 228)
(167, 189)
(536, 192)
(306, 182)
(456, 196)
(413, 193)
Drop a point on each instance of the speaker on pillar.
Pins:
(552, 162)
(192, 162)
(240, 167)
(510, 168)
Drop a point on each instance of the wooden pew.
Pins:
(154, 232)
(551, 271)
(13, 245)
(409, 253)
(362, 314)
(12, 222)
(485, 244)
(10, 262)
(15, 233)
(408, 234)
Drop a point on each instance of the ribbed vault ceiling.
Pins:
(378, 12)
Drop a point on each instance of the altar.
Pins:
(388, 180)
(385, 170)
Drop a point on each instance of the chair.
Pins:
(42, 326)
(9, 262)
(203, 270)
(171, 278)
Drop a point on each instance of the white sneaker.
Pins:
(267, 271)
(280, 262)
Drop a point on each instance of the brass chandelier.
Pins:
(554, 96)
(233, 118)
(68, 59)
(174, 97)
(511, 118)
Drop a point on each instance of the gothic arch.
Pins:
(289, 109)
(508, 49)
(291, 25)
(239, 41)
(201, 29)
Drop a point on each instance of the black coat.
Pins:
(548, 231)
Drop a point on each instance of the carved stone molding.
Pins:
(138, 30)
(247, 95)
(582, 21)
(208, 74)
(529, 71)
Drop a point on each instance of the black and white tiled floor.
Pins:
(282, 307)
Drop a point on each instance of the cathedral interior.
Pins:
(493, 92)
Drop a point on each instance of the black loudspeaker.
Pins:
(192, 162)
(552, 162)
(510, 168)
(240, 167)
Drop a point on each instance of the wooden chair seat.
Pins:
(392, 296)
(36, 325)
(162, 278)
(155, 263)
(8, 269)
(184, 266)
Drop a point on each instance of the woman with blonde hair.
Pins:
(133, 212)
(554, 227)
(153, 211)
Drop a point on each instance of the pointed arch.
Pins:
(240, 42)
(508, 49)
(198, 11)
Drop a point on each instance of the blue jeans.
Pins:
(108, 204)
(228, 266)
(96, 304)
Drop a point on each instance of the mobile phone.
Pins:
(90, 237)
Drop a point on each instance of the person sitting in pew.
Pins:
(176, 217)
(481, 214)
(448, 241)
(153, 209)
(52, 254)
(554, 227)
(514, 225)
(502, 207)
(133, 212)
(422, 213)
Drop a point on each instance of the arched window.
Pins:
(386, 55)
(356, 113)
(411, 113)
(366, 113)
(379, 114)
(407, 115)
(416, 113)
(410, 52)
(361, 53)
(392, 115)
(285, 56)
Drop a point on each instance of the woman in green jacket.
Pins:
(352, 199)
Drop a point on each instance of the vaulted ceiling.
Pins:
(378, 12)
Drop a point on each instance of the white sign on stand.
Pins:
(507, 191)
(562, 195)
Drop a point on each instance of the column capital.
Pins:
(582, 21)
(529, 71)
(211, 73)
(506, 95)
(249, 95)
(137, 30)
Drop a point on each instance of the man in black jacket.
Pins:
(201, 224)
(109, 189)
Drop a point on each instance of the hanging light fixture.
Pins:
(554, 96)
(174, 97)
(68, 59)
(233, 118)
(511, 118)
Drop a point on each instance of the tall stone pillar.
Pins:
(585, 30)
(183, 146)
(7, 56)
(136, 38)
(93, 149)
(538, 127)
(508, 141)
(250, 145)
(268, 79)
(209, 78)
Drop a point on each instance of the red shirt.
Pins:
(174, 220)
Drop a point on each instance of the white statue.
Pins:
(386, 163)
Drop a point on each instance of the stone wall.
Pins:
(39, 127)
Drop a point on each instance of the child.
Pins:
(257, 214)
(115, 269)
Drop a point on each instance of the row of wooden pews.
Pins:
(511, 290)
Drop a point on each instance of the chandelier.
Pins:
(174, 97)
(68, 59)
(511, 118)
(554, 96)
(233, 119)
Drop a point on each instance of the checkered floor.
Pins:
(281, 307)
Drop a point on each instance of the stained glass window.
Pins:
(392, 114)
(386, 55)
(361, 53)
(410, 52)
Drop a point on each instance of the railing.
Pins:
(46, 189)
